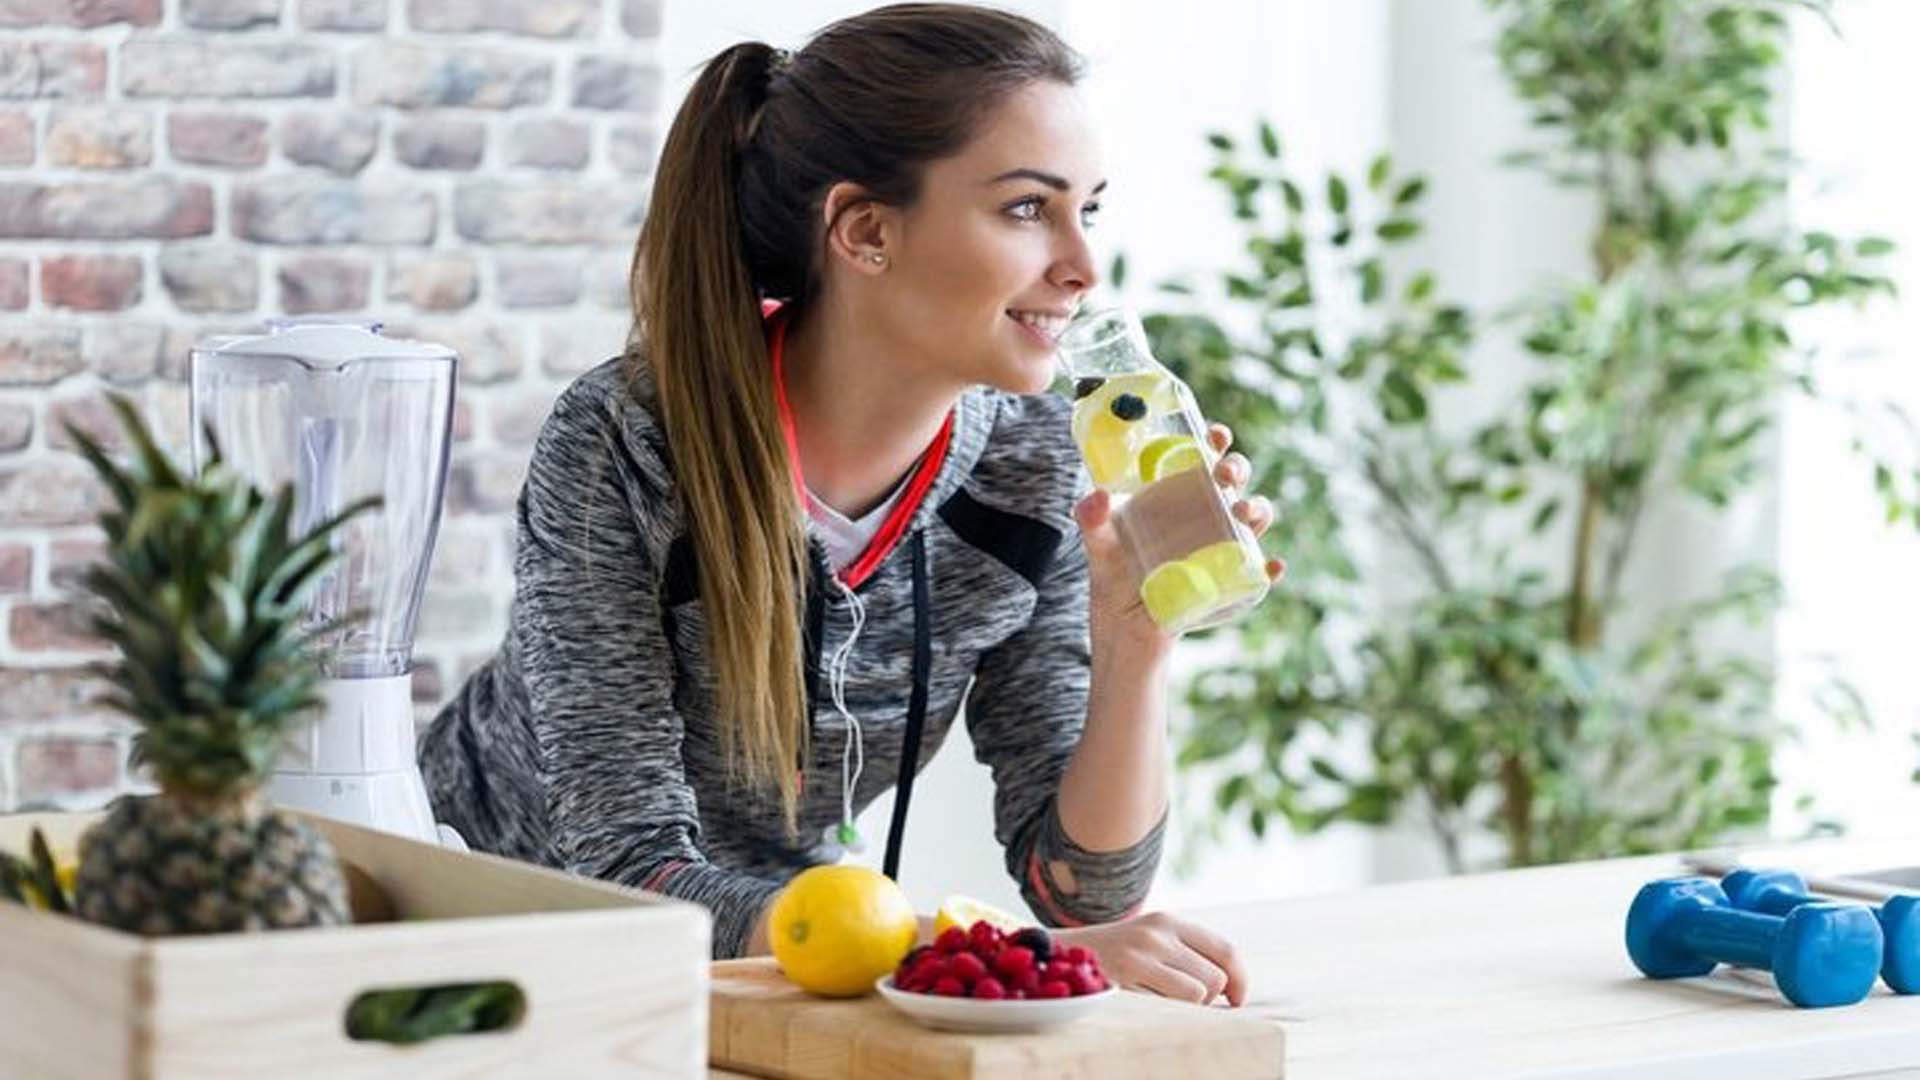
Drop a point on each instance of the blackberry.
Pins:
(1036, 941)
(1087, 386)
(1129, 406)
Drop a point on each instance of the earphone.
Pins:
(853, 758)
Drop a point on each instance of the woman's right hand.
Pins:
(1165, 955)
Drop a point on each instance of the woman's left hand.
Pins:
(1165, 955)
(1115, 596)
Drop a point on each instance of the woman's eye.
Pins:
(1025, 209)
(1032, 209)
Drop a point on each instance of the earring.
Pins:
(878, 259)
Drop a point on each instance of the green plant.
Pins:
(1481, 683)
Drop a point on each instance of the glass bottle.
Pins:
(1144, 442)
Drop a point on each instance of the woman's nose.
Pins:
(1074, 267)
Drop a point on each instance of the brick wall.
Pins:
(468, 171)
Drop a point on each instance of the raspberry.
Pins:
(1054, 988)
(989, 989)
(985, 938)
(928, 970)
(1057, 969)
(967, 967)
(1028, 980)
(1036, 941)
(1083, 980)
(1013, 960)
(1016, 994)
(1075, 954)
(952, 987)
(952, 940)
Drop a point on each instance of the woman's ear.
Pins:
(861, 230)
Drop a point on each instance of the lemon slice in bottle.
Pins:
(1175, 591)
(1169, 454)
(1232, 571)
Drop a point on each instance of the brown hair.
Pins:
(734, 220)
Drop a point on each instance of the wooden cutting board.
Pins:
(763, 1025)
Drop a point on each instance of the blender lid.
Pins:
(325, 344)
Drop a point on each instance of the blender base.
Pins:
(394, 802)
(355, 761)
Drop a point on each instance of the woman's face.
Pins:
(993, 257)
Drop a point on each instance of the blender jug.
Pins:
(341, 413)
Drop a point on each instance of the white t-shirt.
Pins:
(847, 539)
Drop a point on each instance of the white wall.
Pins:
(1853, 582)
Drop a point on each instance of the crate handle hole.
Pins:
(415, 1014)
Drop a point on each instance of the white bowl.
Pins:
(974, 1015)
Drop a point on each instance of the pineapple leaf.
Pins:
(215, 455)
(313, 554)
(15, 875)
(121, 484)
(353, 510)
(159, 472)
(206, 665)
(227, 615)
(294, 583)
(46, 877)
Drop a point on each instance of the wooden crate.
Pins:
(615, 980)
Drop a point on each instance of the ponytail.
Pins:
(698, 324)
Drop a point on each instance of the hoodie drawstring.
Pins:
(853, 756)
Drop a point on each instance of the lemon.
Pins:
(964, 911)
(1167, 455)
(1109, 445)
(1234, 572)
(1176, 590)
(1110, 463)
(836, 929)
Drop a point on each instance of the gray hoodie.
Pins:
(589, 741)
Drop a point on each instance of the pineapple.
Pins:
(206, 595)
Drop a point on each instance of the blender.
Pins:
(342, 412)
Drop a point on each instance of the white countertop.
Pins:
(1525, 973)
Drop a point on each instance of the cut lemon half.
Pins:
(964, 911)
(1176, 591)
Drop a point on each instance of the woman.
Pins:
(824, 496)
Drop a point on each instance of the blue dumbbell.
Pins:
(1776, 892)
(1819, 954)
